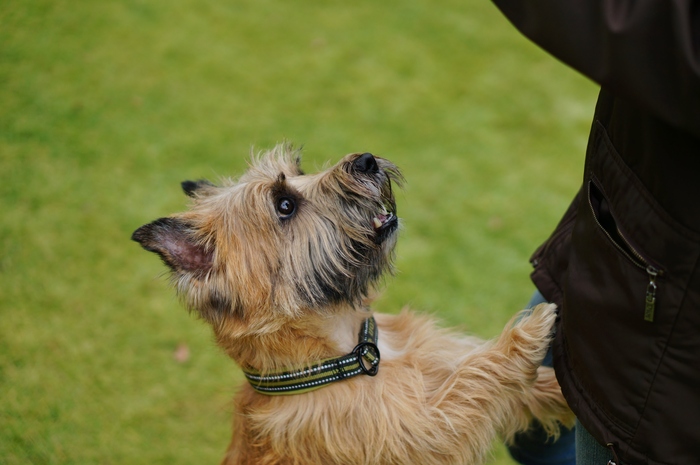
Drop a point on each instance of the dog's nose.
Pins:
(366, 163)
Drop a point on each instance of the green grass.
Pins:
(106, 106)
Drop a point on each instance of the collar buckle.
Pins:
(367, 355)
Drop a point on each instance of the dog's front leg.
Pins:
(496, 389)
(525, 341)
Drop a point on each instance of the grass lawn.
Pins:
(106, 106)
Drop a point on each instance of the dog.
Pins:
(282, 264)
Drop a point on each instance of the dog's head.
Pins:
(278, 242)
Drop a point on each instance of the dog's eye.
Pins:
(286, 206)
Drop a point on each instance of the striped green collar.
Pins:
(364, 358)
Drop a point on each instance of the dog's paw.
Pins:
(542, 319)
(531, 333)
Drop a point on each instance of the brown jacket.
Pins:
(624, 262)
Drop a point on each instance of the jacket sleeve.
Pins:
(647, 51)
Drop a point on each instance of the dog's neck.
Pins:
(295, 342)
(362, 360)
(343, 329)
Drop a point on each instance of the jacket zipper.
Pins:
(652, 272)
(650, 302)
(639, 261)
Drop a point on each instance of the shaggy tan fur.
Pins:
(281, 263)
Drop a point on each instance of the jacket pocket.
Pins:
(605, 220)
(629, 268)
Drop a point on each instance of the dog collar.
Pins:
(364, 359)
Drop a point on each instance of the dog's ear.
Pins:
(176, 244)
(194, 188)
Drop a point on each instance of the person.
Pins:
(623, 264)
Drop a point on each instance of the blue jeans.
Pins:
(588, 451)
(574, 446)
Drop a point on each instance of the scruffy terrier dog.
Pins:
(280, 264)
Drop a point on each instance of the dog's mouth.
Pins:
(385, 222)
